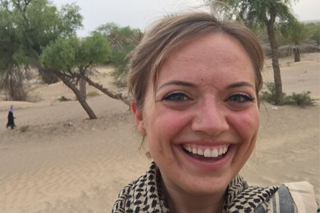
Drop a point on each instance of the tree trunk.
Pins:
(296, 55)
(275, 59)
(78, 94)
(105, 90)
(83, 89)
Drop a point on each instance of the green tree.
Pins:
(120, 61)
(119, 37)
(298, 38)
(122, 40)
(27, 26)
(72, 60)
(315, 29)
(266, 13)
(115, 35)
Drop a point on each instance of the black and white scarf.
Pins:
(145, 195)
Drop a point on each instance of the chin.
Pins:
(210, 186)
(200, 185)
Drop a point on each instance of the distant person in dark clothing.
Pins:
(11, 118)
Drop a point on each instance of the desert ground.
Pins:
(67, 163)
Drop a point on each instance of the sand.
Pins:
(67, 163)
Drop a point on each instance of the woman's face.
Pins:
(201, 117)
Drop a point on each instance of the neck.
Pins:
(181, 202)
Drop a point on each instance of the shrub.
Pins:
(64, 99)
(301, 99)
(120, 60)
(92, 94)
(47, 76)
(24, 128)
(37, 87)
(270, 93)
(120, 80)
(12, 82)
(106, 74)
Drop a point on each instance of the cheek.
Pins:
(163, 126)
(166, 122)
(247, 124)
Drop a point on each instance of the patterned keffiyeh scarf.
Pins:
(145, 195)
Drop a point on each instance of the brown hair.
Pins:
(161, 40)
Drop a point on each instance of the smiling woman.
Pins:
(195, 82)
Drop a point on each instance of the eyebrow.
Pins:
(179, 83)
(189, 84)
(239, 84)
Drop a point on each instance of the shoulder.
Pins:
(143, 194)
(293, 197)
(122, 197)
(303, 196)
(125, 196)
(288, 198)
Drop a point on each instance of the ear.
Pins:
(137, 113)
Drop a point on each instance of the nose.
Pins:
(210, 118)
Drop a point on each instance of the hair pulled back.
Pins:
(170, 32)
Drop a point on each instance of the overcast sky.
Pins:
(141, 13)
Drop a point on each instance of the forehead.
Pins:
(214, 58)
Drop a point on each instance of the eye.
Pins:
(176, 97)
(178, 100)
(240, 98)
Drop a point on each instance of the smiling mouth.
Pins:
(206, 154)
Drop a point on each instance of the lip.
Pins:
(208, 166)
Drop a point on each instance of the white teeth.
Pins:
(214, 153)
(207, 153)
(194, 151)
(225, 150)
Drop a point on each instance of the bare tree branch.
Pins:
(105, 90)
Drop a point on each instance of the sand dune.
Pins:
(66, 163)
